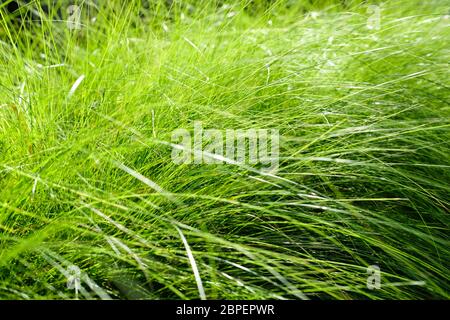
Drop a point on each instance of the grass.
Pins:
(87, 180)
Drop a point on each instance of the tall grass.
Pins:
(87, 180)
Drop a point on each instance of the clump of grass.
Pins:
(86, 179)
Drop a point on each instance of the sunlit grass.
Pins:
(87, 179)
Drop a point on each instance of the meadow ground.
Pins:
(89, 189)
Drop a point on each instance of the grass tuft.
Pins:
(87, 179)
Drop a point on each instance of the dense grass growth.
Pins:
(86, 176)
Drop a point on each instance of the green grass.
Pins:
(364, 171)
